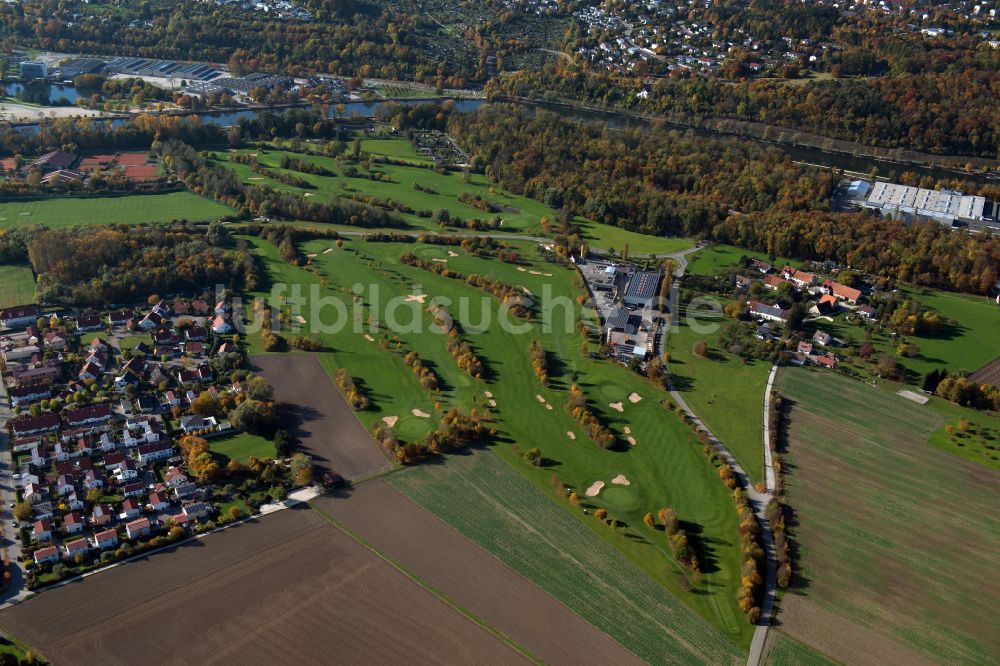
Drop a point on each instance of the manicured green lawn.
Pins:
(894, 534)
(974, 342)
(519, 214)
(59, 212)
(724, 390)
(714, 258)
(499, 509)
(666, 467)
(17, 285)
(979, 443)
(241, 446)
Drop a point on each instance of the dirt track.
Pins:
(446, 560)
(313, 410)
(290, 588)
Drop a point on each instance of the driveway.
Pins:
(10, 546)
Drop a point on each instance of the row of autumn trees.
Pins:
(668, 183)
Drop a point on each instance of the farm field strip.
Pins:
(859, 487)
(286, 583)
(447, 561)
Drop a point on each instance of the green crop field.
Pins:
(58, 212)
(783, 650)
(241, 446)
(665, 467)
(17, 285)
(441, 190)
(499, 509)
(724, 390)
(896, 536)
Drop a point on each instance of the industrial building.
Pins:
(168, 69)
(33, 69)
(909, 203)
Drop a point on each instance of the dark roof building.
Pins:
(643, 288)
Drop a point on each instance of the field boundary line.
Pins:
(451, 603)
(768, 462)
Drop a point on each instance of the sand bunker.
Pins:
(416, 298)
(539, 397)
(571, 434)
(634, 398)
(452, 254)
(390, 420)
(628, 430)
(440, 261)
(421, 414)
(547, 274)
(521, 268)
(535, 272)
(309, 194)
(594, 488)
(617, 406)
(620, 480)
(488, 394)
(328, 250)
(630, 440)
(369, 338)
(548, 406)
(300, 319)
(311, 255)
(492, 403)
(526, 290)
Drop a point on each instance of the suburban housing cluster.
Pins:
(60, 167)
(93, 436)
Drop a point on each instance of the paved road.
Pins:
(768, 462)
(10, 546)
(758, 500)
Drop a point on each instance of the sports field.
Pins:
(57, 212)
(899, 541)
(665, 467)
(17, 285)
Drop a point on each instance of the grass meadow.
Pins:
(17, 285)
(59, 212)
(241, 446)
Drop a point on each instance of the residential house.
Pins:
(32, 493)
(822, 338)
(764, 333)
(185, 490)
(42, 530)
(64, 484)
(92, 479)
(49, 554)
(196, 334)
(25, 352)
(99, 345)
(173, 477)
(773, 282)
(826, 360)
(130, 508)
(102, 515)
(194, 376)
(768, 312)
(120, 317)
(55, 160)
(127, 470)
(25, 395)
(133, 490)
(841, 291)
(800, 278)
(196, 509)
(158, 501)
(55, 341)
(151, 321)
(199, 306)
(19, 316)
(150, 453)
(760, 266)
(805, 348)
(867, 312)
(113, 460)
(73, 522)
(27, 426)
(743, 282)
(228, 347)
(88, 417)
(73, 501)
(76, 547)
(196, 423)
(89, 322)
(106, 539)
(220, 326)
(827, 304)
(89, 371)
(138, 529)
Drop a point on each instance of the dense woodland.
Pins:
(668, 183)
(102, 264)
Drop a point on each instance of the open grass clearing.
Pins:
(897, 537)
(58, 212)
(241, 446)
(724, 390)
(17, 285)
